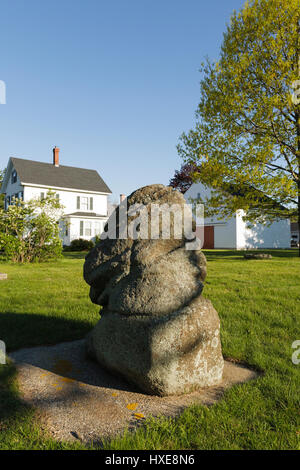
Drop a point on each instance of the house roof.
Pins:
(47, 174)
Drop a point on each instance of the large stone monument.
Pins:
(156, 329)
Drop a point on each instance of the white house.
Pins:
(82, 192)
(234, 233)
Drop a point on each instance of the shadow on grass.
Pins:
(24, 330)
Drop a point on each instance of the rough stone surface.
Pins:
(163, 355)
(155, 328)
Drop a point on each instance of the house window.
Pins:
(85, 203)
(85, 228)
(42, 196)
(57, 196)
(14, 177)
(88, 229)
(198, 195)
(20, 195)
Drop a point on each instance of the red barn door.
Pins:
(209, 237)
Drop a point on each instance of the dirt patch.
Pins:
(78, 400)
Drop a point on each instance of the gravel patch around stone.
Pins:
(78, 400)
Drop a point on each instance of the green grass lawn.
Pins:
(259, 305)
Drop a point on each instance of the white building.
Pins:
(82, 192)
(234, 233)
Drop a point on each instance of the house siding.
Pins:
(276, 235)
(225, 234)
(69, 199)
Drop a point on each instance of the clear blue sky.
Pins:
(112, 83)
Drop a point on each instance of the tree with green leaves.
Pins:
(29, 231)
(247, 134)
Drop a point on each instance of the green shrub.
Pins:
(80, 245)
(29, 231)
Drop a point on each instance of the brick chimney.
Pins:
(56, 156)
(122, 197)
